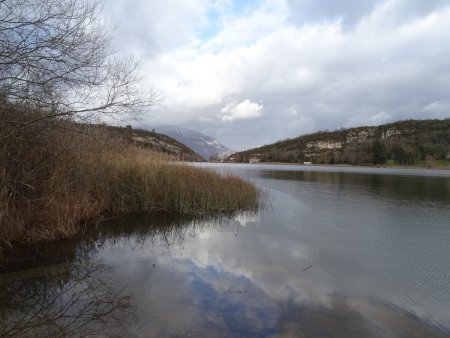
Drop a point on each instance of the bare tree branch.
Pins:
(56, 56)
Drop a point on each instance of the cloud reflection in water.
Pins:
(206, 281)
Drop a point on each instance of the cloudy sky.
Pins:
(254, 72)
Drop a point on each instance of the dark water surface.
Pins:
(337, 252)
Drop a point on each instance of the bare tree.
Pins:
(56, 56)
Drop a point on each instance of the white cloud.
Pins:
(342, 67)
(243, 111)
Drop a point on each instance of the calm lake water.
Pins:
(336, 252)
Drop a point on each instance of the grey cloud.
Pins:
(131, 27)
(150, 27)
(405, 10)
(350, 11)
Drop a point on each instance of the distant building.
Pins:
(307, 163)
(255, 158)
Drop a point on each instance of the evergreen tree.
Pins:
(378, 152)
(400, 155)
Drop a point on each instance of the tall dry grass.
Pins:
(56, 175)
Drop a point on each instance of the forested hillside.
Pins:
(405, 143)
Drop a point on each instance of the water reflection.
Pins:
(337, 255)
(63, 301)
(346, 318)
(392, 186)
(214, 283)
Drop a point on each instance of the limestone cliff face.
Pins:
(354, 136)
(360, 135)
(391, 132)
(324, 145)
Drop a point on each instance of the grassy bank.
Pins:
(56, 176)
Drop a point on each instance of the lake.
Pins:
(334, 252)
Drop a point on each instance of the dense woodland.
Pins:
(407, 142)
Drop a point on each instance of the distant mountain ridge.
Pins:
(402, 142)
(155, 141)
(204, 145)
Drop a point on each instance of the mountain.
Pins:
(155, 141)
(204, 145)
(403, 142)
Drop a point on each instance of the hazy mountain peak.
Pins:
(204, 145)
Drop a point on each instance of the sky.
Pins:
(254, 72)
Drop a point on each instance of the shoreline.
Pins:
(447, 167)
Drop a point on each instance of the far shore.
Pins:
(386, 166)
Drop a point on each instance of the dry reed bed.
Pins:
(54, 180)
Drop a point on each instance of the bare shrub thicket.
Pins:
(56, 65)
